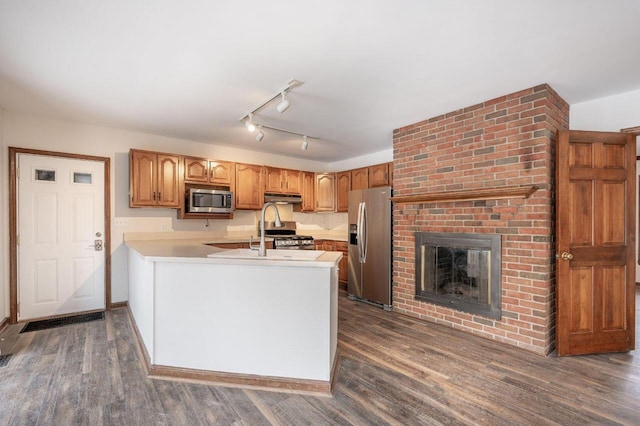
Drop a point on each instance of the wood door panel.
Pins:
(604, 256)
(596, 226)
(581, 155)
(614, 156)
(583, 173)
(143, 187)
(614, 319)
(168, 181)
(581, 314)
(221, 172)
(581, 195)
(195, 169)
(612, 224)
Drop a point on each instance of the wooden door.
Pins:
(273, 179)
(61, 229)
(595, 242)
(168, 180)
(142, 179)
(379, 175)
(222, 173)
(344, 186)
(308, 192)
(195, 170)
(325, 192)
(293, 181)
(360, 178)
(249, 187)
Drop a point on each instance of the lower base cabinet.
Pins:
(343, 273)
(343, 247)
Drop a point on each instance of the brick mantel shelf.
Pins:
(468, 195)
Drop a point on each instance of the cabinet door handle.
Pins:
(159, 196)
(154, 195)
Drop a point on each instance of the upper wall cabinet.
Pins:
(249, 194)
(308, 192)
(379, 175)
(360, 178)
(325, 192)
(154, 179)
(342, 193)
(282, 181)
(212, 172)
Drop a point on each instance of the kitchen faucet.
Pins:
(262, 249)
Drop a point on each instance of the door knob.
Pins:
(566, 256)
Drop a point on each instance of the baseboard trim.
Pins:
(119, 305)
(246, 381)
(4, 324)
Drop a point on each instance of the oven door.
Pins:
(284, 243)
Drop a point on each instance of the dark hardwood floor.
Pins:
(392, 370)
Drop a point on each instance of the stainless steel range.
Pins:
(285, 237)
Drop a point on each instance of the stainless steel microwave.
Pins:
(210, 201)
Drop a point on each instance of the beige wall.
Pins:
(25, 131)
(611, 114)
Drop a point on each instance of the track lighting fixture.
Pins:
(284, 104)
(281, 107)
(249, 123)
(305, 138)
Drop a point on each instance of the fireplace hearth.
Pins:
(459, 271)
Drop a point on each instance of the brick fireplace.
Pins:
(492, 147)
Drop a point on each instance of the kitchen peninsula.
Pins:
(206, 313)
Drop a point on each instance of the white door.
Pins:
(61, 261)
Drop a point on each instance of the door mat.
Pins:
(59, 322)
(4, 359)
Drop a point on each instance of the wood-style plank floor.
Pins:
(392, 370)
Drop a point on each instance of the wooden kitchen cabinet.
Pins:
(379, 175)
(360, 178)
(308, 192)
(282, 181)
(214, 172)
(154, 179)
(343, 266)
(325, 192)
(249, 193)
(342, 193)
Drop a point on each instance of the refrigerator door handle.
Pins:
(359, 232)
(365, 224)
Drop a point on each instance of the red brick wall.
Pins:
(506, 141)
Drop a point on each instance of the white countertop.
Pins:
(231, 237)
(196, 250)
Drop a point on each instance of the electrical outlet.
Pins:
(121, 221)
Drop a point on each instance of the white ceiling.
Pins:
(190, 69)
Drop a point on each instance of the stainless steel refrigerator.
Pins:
(370, 246)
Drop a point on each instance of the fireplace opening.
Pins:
(460, 271)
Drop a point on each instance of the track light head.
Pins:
(249, 123)
(305, 143)
(260, 134)
(284, 104)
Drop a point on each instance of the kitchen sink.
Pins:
(271, 254)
